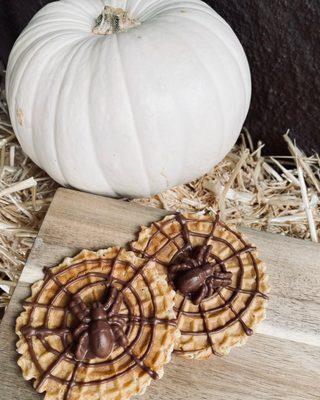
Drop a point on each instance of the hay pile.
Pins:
(278, 194)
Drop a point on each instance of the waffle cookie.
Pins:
(100, 325)
(220, 282)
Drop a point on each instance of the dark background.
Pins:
(281, 39)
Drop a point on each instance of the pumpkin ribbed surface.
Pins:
(135, 112)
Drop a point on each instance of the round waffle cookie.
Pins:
(100, 325)
(220, 282)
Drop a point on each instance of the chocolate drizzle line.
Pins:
(186, 235)
(64, 331)
(203, 316)
(71, 382)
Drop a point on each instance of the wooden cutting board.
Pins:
(281, 362)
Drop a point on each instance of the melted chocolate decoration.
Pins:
(94, 336)
(194, 276)
(185, 255)
(99, 326)
(28, 332)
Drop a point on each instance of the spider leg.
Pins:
(111, 296)
(117, 299)
(207, 253)
(78, 308)
(200, 294)
(211, 287)
(119, 334)
(79, 330)
(180, 255)
(82, 347)
(194, 263)
(226, 277)
(117, 320)
(213, 284)
(220, 279)
(202, 253)
(175, 268)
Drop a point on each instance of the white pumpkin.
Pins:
(143, 98)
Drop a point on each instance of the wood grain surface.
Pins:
(281, 362)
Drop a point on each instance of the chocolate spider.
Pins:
(195, 276)
(100, 327)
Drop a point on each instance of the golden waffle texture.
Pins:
(147, 307)
(227, 318)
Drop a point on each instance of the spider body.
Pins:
(193, 279)
(101, 336)
(100, 328)
(196, 277)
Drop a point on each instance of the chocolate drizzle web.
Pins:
(186, 234)
(65, 331)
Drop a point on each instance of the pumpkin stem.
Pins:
(113, 20)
